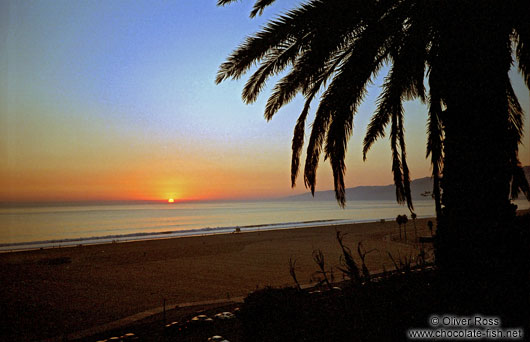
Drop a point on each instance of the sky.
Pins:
(116, 100)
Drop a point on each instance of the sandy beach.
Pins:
(47, 293)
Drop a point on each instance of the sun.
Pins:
(171, 200)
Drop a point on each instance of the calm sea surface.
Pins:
(66, 225)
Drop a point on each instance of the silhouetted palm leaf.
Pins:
(522, 50)
(258, 8)
(288, 26)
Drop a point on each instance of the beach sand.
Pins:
(46, 293)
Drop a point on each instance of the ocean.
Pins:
(54, 226)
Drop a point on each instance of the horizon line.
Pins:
(73, 202)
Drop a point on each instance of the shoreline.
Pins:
(104, 235)
(206, 231)
(104, 239)
(32, 228)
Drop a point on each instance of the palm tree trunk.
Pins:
(478, 248)
(476, 173)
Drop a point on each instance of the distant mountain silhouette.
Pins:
(421, 188)
(371, 193)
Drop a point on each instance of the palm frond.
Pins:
(519, 181)
(309, 72)
(321, 123)
(385, 107)
(522, 50)
(396, 160)
(316, 65)
(340, 100)
(298, 137)
(515, 115)
(336, 144)
(318, 59)
(404, 81)
(298, 140)
(318, 131)
(224, 2)
(434, 132)
(259, 6)
(412, 53)
(276, 61)
(435, 139)
(293, 24)
(404, 165)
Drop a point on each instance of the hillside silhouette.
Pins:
(421, 188)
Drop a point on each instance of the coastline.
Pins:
(37, 227)
(63, 290)
(96, 240)
(93, 231)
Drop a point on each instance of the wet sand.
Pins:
(47, 293)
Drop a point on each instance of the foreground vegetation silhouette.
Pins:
(334, 48)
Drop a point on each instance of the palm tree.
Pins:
(399, 221)
(429, 224)
(464, 48)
